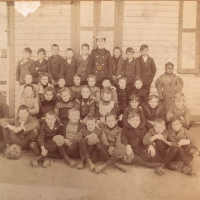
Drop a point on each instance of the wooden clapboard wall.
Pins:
(156, 24)
(49, 24)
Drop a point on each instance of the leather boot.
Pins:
(81, 164)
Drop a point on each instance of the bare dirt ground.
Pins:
(20, 181)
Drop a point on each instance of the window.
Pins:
(189, 38)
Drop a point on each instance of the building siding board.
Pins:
(50, 23)
(156, 24)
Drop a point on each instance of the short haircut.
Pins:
(90, 117)
(106, 90)
(78, 75)
(28, 85)
(65, 89)
(139, 79)
(160, 121)
(61, 78)
(85, 45)
(29, 74)
(23, 107)
(179, 96)
(175, 118)
(85, 86)
(152, 96)
(143, 46)
(51, 113)
(169, 64)
(28, 50)
(41, 50)
(100, 39)
(69, 49)
(54, 45)
(44, 74)
(118, 48)
(122, 78)
(49, 89)
(110, 115)
(134, 97)
(92, 76)
(129, 50)
(133, 114)
(73, 110)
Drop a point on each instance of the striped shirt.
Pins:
(71, 131)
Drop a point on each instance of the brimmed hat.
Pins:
(179, 96)
(100, 35)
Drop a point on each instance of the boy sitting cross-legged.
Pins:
(67, 143)
(110, 148)
(48, 147)
(88, 137)
(132, 138)
(21, 130)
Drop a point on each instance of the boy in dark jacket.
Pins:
(118, 64)
(69, 68)
(55, 63)
(85, 104)
(24, 66)
(147, 67)
(100, 61)
(76, 88)
(46, 142)
(131, 67)
(139, 90)
(21, 130)
(133, 106)
(132, 138)
(153, 110)
(82, 63)
(67, 143)
(39, 66)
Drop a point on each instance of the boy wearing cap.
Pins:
(178, 109)
(168, 85)
(100, 61)
(147, 67)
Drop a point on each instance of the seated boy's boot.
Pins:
(173, 166)
(81, 165)
(100, 168)
(70, 161)
(193, 170)
(186, 169)
(47, 162)
(90, 164)
(160, 170)
(37, 161)
(153, 164)
(120, 167)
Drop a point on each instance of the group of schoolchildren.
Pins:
(98, 108)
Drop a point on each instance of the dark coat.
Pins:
(42, 67)
(147, 69)
(68, 71)
(100, 63)
(23, 68)
(4, 110)
(123, 95)
(167, 86)
(82, 67)
(131, 70)
(55, 64)
(134, 137)
(117, 70)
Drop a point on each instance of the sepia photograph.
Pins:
(99, 100)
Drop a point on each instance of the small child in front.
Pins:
(110, 148)
(21, 130)
(24, 66)
(47, 146)
(179, 109)
(153, 110)
(95, 91)
(59, 87)
(64, 106)
(132, 138)
(88, 137)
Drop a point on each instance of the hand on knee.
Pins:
(151, 151)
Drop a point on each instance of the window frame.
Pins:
(182, 30)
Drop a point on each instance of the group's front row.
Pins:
(94, 141)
